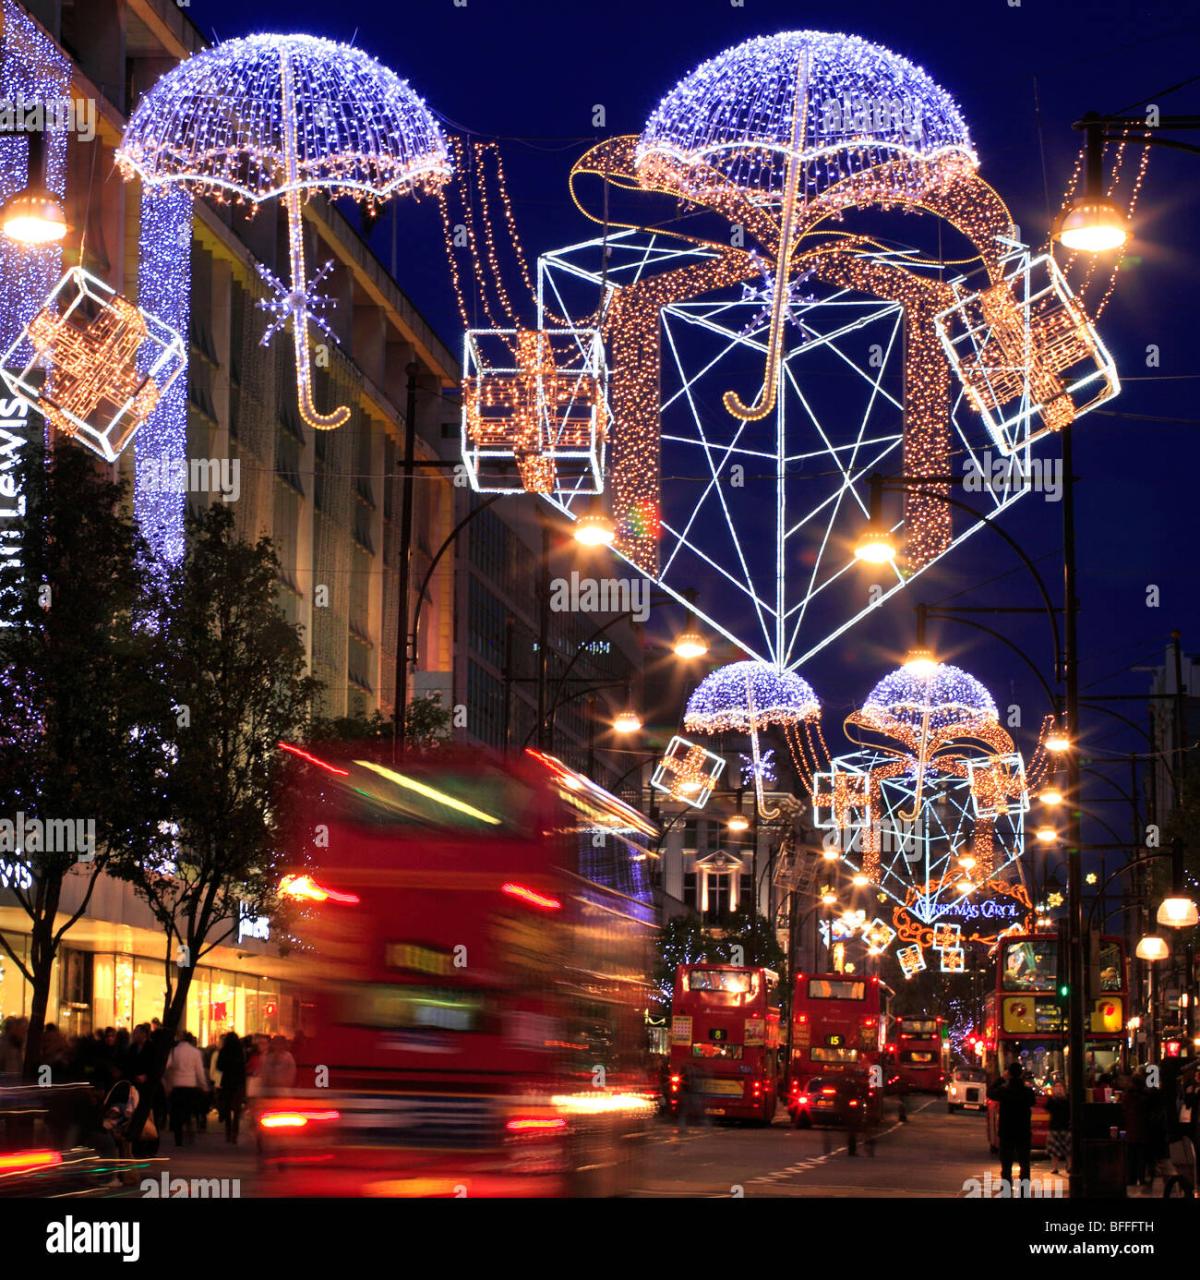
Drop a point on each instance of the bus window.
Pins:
(1031, 965)
(832, 989)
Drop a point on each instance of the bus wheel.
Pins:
(951, 1108)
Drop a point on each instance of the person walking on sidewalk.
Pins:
(186, 1081)
(1058, 1139)
(231, 1063)
(1016, 1101)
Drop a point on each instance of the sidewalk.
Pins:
(208, 1157)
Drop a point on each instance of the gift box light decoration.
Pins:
(1028, 356)
(285, 116)
(99, 365)
(879, 935)
(687, 772)
(947, 937)
(534, 417)
(912, 960)
(953, 960)
(997, 783)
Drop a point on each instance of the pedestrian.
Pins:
(231, 1063)
(278, 1067)
(185, 1082)
(1016, 1101)
(1058, 1139)
(1135, 1105)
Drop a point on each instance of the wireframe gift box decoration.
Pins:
(534, 413)
(687, 772)
(99, 364)
(998, 785)
(1028, 357)
(912, 960)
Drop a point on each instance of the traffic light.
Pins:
(1064, 990)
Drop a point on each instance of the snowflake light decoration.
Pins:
(762, 294)
(763, 768)
(285, 116)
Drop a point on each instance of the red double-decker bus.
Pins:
(725, 1041)
(1026, 1018)
(839, 1024)
(474, 961)
(919, 1054)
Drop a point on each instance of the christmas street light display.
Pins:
(780, 137)
(284, 116)
(935, 783)
(687, 772)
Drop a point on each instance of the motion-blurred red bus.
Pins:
(475, 975)
(725, 1041)
(839, 1023)
(1026, 1018)
(920, 1054)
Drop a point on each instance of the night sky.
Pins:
(529, 74)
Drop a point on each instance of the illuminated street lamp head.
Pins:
(595, 529)
(1091, 224)
(690, 644)
(829, 899)
(967, 862)
(1057, 741)
(859, 880)
(1051, 795)
(830, 854)
(690, 786)
(738, 822)
(1047, 834)
(34, 217)
(1152, 947)
(965, 885)
(627, 722)
(1178, 912)
(875, 546)
(920, 663)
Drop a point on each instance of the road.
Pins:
(934, 1154)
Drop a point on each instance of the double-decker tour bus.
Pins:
(474, 942)
(919, 1054)
(839, 1023)
(725, 1041)
(1026, 1018)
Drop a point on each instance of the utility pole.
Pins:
(1075, 939)
(406, 532)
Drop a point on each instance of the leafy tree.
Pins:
(748, 938)
(237, 676)
(85, 709)
(682, 940)
(426, 725)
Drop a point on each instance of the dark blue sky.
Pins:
(531, 72)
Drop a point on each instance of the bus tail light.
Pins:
(293, 1119)
(534, 1142)
(828, 1091)
(531, 897)
(676, 1081)
(802, 1099)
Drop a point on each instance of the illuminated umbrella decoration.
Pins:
(929, 709)
(780, 131)
(270, 116)
(747, 697)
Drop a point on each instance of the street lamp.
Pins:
(1051, 795)
(1152, 947)
(1091, 224)
(35, 215)
(627, 722)
(1046, 834)
(920, 662)
(1057, 742)
(1178, 912)
(595, 529)
(875, 545)
(738, 823)
(690, 644)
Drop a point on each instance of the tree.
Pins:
(426, 726)
(682, 940)
(748, 938)
(86, 712)
(237, 677)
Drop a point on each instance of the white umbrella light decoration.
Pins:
(748, 697)
(269, 116)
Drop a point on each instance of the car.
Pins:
(966, 1090)
(834, 1099)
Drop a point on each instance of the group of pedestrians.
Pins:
(1161, 1126)
(118, 1064)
